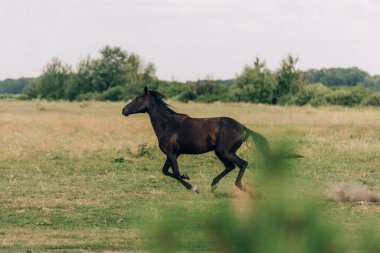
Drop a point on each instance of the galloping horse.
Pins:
(180, 134)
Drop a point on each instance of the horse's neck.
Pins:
(159, 118)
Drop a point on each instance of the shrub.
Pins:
(285, 99)
(112, 94)
(187, 96)
(255, 84)
(373, 100)
(347, 97)
(88, 96)
(206, 91)
(313, 94)
(169, 88)
(342, 97)
(219, 93)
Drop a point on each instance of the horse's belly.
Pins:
(197, 144)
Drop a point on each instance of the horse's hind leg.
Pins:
(226, 153)
(229, 166)
(242, 164)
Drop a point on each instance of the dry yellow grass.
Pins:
(90, 126)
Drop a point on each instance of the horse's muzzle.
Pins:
(124, 113)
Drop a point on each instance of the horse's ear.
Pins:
(146, 90)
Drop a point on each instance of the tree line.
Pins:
(120, 75)
(14, 86)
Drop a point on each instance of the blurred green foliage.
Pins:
(274, 222)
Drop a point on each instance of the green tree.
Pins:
(82, 81)
(115, 68)
(137, 75)
(255, 84)
(148, 74)
(51, 84)
(288, 79)
(109, 70)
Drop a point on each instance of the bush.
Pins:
(112, 94)
(373, 100)
(256, 84)
(313, 94)
(169, 88)
(342, 97)
(219, 93)
(347, 97)
(206, 91)
(88, 96)
(187, 96)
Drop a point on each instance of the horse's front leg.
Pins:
(165, 171)
(172, 158)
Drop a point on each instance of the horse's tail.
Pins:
(263, 146)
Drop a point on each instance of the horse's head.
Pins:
(137, 105)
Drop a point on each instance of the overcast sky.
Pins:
(190, 39)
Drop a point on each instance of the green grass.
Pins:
(79, 176)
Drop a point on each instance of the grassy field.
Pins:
(79, 176)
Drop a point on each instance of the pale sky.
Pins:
(190, 39)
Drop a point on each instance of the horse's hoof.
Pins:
(242, 187)
(185, 176)
(195, 189)
(213, 187)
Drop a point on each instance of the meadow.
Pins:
(79, 176)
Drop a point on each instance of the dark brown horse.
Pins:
(180, 134)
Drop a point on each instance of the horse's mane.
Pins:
(158, 97)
